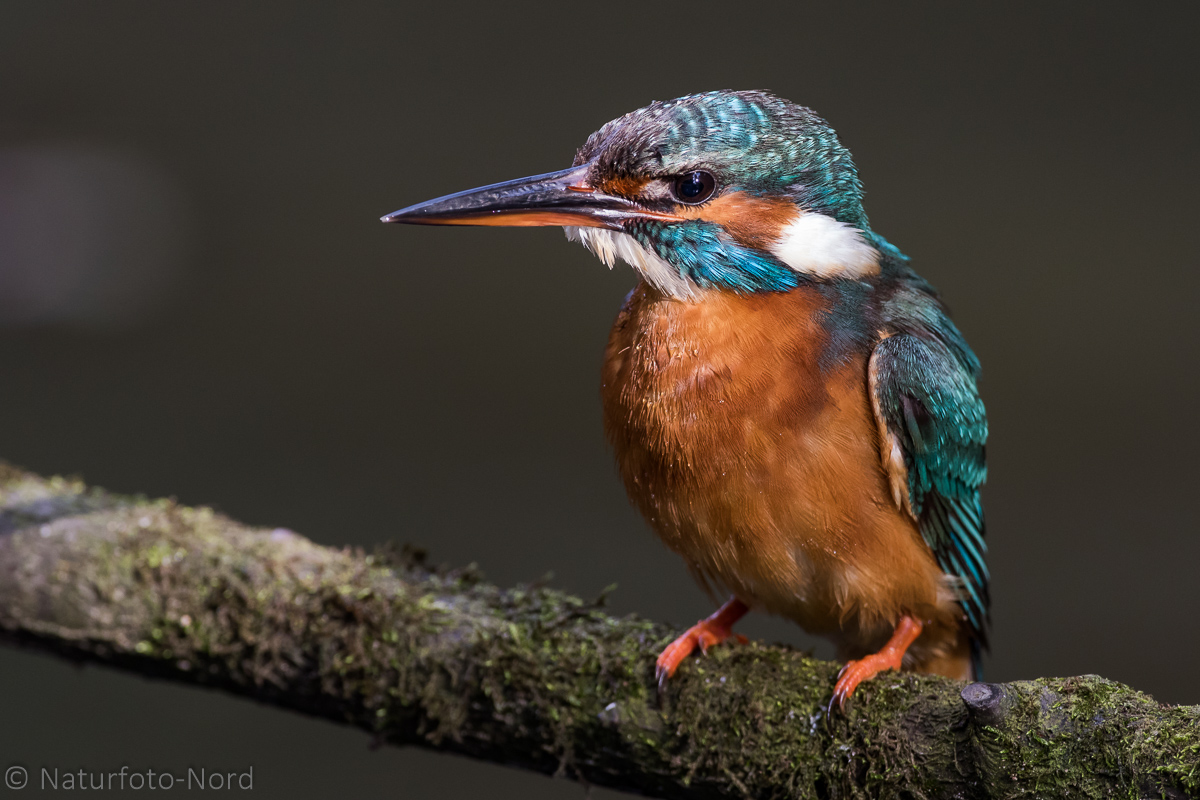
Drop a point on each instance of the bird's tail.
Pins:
(976, 659)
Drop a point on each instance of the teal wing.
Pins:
(926, 397)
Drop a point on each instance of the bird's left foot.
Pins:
(704, 634)
(889, 657)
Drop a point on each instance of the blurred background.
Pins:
(197, 300)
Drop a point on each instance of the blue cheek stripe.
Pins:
(711, 260)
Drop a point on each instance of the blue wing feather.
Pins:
(926, 392)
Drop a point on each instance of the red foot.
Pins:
(704, 634)
(889, 657)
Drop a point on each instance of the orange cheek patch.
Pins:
(622, 186)
(752, 221)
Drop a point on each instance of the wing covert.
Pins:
(933, 423)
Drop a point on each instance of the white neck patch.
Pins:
(819, 245)
(610, 245)
(812, 243)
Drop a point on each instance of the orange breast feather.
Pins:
(762, 468)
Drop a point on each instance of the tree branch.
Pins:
(534, 678)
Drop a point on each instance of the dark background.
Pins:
(196, 300)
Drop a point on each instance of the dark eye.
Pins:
(694, 187)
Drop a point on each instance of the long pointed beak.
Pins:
(556, 198)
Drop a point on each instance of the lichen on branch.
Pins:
(536, 678)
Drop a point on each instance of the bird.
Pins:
(790, 405)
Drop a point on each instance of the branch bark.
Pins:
(535, 678)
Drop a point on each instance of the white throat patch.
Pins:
(822, 246)
(812, 243)
(609, 246)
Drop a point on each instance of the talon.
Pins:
(890, 656)
(704, 634)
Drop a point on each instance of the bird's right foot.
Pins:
(704, 634)
(890, 657)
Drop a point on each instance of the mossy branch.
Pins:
(534, 678)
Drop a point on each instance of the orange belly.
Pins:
(761, 466)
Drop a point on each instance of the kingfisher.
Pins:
(790, 405)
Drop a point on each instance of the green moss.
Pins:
(535, 677)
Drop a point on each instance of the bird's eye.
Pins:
(694, 187)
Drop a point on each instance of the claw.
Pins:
(660, 676)
(704, 634)
(890, 656)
